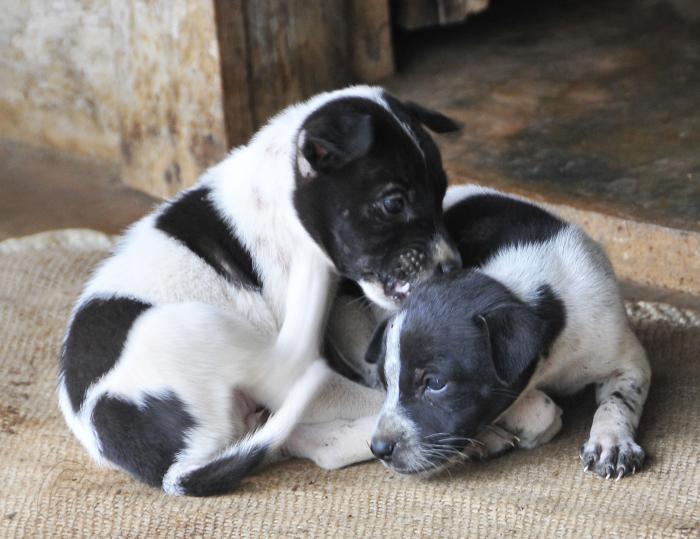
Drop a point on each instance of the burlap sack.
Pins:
(49, 487)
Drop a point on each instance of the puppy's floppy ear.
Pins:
(330, 142)
(377, 346)
(432, 119)
(515, 335)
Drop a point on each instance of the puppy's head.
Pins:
(452, 360)
(369, 191)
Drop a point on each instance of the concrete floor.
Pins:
(594, 104)
(42, 189)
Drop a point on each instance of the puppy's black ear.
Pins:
(377, 346)
(432, 119)
(516, 335)
(330, 142)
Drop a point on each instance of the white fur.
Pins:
(392, 363)
(392, 421)
(258, 342)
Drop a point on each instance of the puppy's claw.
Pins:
(612, 459)
(609, 471)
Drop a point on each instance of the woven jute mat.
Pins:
(50, 488)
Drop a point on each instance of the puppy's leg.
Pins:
(333, 444)
(351, 324)
(337, 425)
(341, 398)
(532, 420)
(611, 450)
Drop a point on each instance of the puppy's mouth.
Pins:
(387, 291)
(430, 457)
(395, 288)
(423, 469)
(409, 268)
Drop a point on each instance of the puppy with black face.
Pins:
(214, 306)
(471, 359)
(379, 218)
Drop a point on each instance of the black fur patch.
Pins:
(335, 361)
(360, 155)
(483, 224)
(222, 475)
(193, 220)
(550, 309)
(623, 400)
(142, 440)
(95, 341)
(432, 119)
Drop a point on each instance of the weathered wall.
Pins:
(167, 64)
(131, 81)
(139, 82)
(57, 75)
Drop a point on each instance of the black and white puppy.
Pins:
(214, 305)
(475, 355)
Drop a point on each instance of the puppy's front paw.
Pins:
(611, 456)
(491, 442)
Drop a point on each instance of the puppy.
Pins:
(213, 306)
(474, 356)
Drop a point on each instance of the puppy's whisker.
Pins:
(436, 434)
(461, 439)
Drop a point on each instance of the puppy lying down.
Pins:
(471, 359)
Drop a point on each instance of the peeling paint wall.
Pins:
(131, 81)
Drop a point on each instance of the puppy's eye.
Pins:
(435, 383)
(393, 204)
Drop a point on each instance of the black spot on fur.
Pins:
(481, 225)
(143, 440)
(94, 342)
(551, 309)
(222, 475)
(623, 400)
(193, 220)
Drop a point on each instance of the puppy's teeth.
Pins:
(403, 288)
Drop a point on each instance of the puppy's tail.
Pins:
(223, 473)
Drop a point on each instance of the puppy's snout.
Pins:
(447, 267)
(382, 448)
(447, 256)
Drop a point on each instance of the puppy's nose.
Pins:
(447, 267)
(446, 255)
(382, 449)
(450, 263)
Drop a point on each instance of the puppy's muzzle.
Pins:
(382, 448)
(446, 255)
(415, 265)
